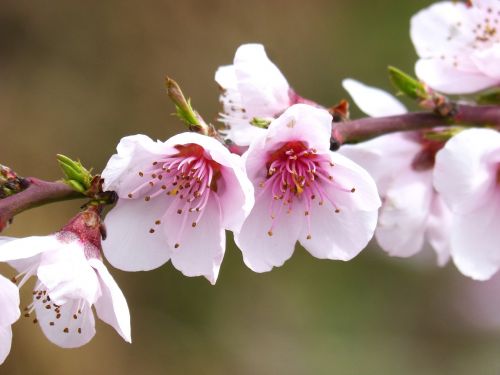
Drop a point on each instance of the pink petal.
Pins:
(262, 252)
(200, 249)
(27, 247)
(112, 307)
(488, 61)
(373, 101)
(439, 225)
(66, 331)
(130, 245)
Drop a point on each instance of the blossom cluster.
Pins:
(178, 197)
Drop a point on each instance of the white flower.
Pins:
(253, 87)
(458, 45)
(9, 313)
(71, 279)
(306, 193)
(176, 199)
(467, 177)
(401, 164)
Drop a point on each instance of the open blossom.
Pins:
(71, 279)
(9, 313)
(459, 45)
(253, 87)
(306, 193)
(401, 164)
(176, 199)
(467, 177)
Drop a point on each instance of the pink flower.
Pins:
(402, 165)
(306, 193)
(176, 199)
(458, 45)
(71, 279)
(9, 313)
(253, 87)
(467, 177)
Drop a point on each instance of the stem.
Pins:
(38, 193)
(367, 128)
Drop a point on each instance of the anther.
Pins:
(179, 211)
(141, 174)
(66, 330)
(353, 190)
(79, 330)
(151, 231)
(75, 316)
(51, 323)
(306, 213)
(270, 233)
(147, 198)
(176, 246)
(193, 224)
(35, 321)
(157, 222)
(308, 237)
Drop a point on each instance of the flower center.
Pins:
(189, 176)
(297, 175)
(426, 158)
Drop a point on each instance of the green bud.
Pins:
(408, 85)
(490, 97)
(75, 174)
(183, 107)
(260, 122)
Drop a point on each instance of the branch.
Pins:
(367, 128)
(38, 193)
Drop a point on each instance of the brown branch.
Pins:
(367, 128)
(38, 193)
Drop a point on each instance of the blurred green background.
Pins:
(76, 76)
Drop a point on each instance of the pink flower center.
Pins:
(189, 176)
(297, 176)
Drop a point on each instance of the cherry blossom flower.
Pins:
(401, 164)
(306, 193)
(71, 279)
(176, 199)
(9, 313)
(253, 88)
(467, 177)
(459, 45)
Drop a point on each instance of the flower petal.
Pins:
(5, 342)
(373, 101)
(112, 307)
(200, 249)
(135, 154)
(340, 235)
(262, 252)
(474, 241)
(439, 229)
(444, 76)
(60, 326)
(9, 302)
(130, 245)
(27, 247)
(302, 122)
(488, 61)
(465, 173)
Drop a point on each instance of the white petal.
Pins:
(443, 76)
(112, 306)
(135, 154)
(66, 331)
(474, 241)
(262, 252)
(27, 247)
(263, 88)
(201, 248)
(9, 302)
(337, 235)
(67, 275)
(373, 101)
(466, 169)
(5, 342)
(225, 76)
(439, 225)
(304, 123)
(404, 213)
(129, 244)
(384, 157)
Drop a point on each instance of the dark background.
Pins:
(77, 76)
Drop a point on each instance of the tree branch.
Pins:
(38, 193)
(367, 128)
